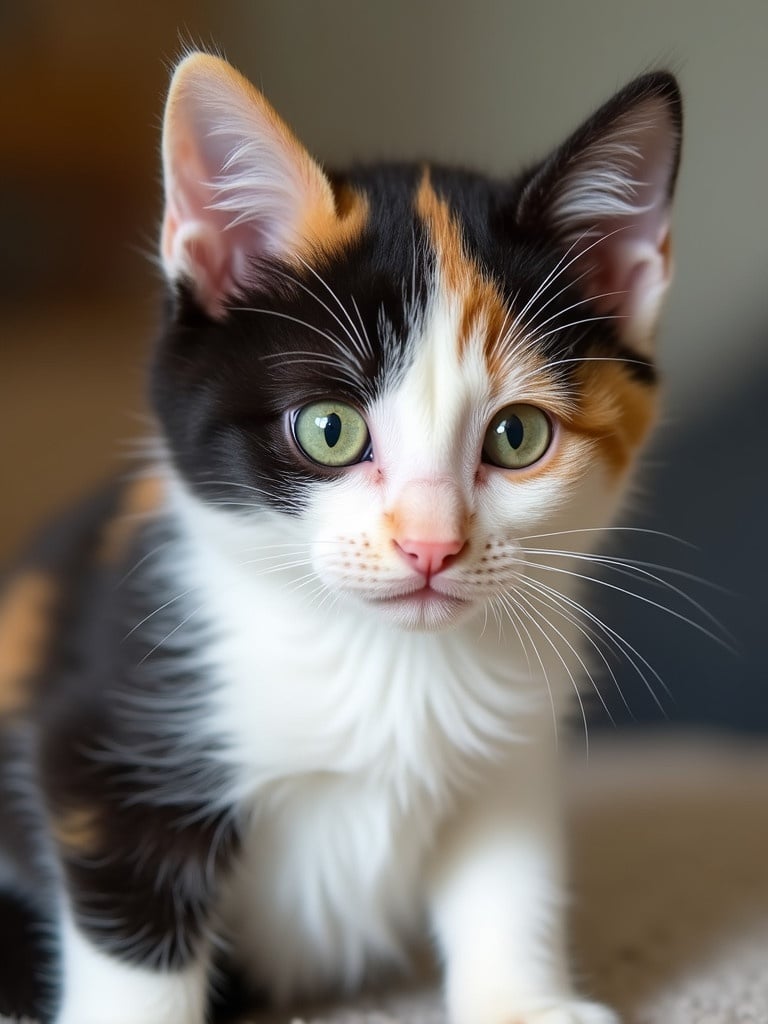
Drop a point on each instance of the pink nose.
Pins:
(429, 557)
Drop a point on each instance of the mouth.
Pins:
(423, 595)
(423, 608)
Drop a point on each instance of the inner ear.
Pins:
(606, 195)
(239, 188)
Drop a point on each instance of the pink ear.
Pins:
(239, 188)
(607, 193)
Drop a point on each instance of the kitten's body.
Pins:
(312, 711)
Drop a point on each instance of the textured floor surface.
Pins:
(670, 874)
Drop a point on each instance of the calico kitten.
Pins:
(292, 692)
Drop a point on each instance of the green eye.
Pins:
(331, 433)
(517, 437)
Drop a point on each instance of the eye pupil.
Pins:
(331, 427)
(513, 428)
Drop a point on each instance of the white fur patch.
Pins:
(98, 989)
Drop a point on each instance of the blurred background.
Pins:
(487, 83)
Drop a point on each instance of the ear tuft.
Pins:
(606, 192)
(239, 188)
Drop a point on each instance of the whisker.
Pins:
(597, 359)
(254, 506)
(413, 265)
(168, 636)
(527, 327)
(160, 608)
(502, 337)
(301, 581)
(336, 342)
(552, 275)
(523, 647)
(329, 595)
(588, 632)
(508, 604)
(634, 570)
(622, 645)
(609, 529)
(246, 487)
(565, 665)
(527, 332)
(560, 269)
(639, 597)
(309, 358)
(141, 561)
(350, 362)
(575, 323)
(296, 281)
(281, 567)
(368, 344)
(357, 341)
(576, 654)
(287, 544)
(574, 305)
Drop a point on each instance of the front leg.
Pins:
(135, 913)
(498, 904)
(100, 987)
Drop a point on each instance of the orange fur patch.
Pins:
(77, 830)
(615, 411)
(484, 310)
(329, 232)
(25, 617)
(140, 499)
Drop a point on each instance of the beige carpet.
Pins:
(670, 875)
(670, 879)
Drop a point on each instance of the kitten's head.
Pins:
(418, 370)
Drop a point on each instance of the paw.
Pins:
(571, 1011)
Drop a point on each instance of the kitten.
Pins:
(292, 692)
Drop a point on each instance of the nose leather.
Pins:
(428, 524)
(429, 557)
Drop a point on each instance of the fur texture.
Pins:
(299, 713)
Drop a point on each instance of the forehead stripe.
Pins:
(483, 308)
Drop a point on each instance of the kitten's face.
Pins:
(421, 370)
(478, 438)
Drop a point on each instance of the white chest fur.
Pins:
(330, 881)
(349, 742)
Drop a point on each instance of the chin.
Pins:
(424, 611)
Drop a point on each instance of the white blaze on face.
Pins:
(424, 430)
